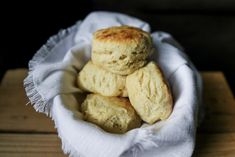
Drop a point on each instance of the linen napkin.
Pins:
(51, 88)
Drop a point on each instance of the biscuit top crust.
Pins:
(121, 34)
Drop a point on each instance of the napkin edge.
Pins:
(39, 103)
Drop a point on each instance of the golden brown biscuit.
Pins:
(121, 50)
(149, 93)
(113, 114)
(93, 78)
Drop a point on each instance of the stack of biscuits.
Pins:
(123, 87)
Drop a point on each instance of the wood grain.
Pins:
(216, 145)
(15, 116)
(27, 145)
(217, 92)
(219, 104)
(26, 133)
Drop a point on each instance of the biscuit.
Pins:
(113, 114)
(149, 94)
(95, 79)
(121, 50)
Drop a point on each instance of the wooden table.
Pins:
(23, 132)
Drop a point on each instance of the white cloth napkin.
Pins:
(51, 88)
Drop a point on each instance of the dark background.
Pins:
(206, 29)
